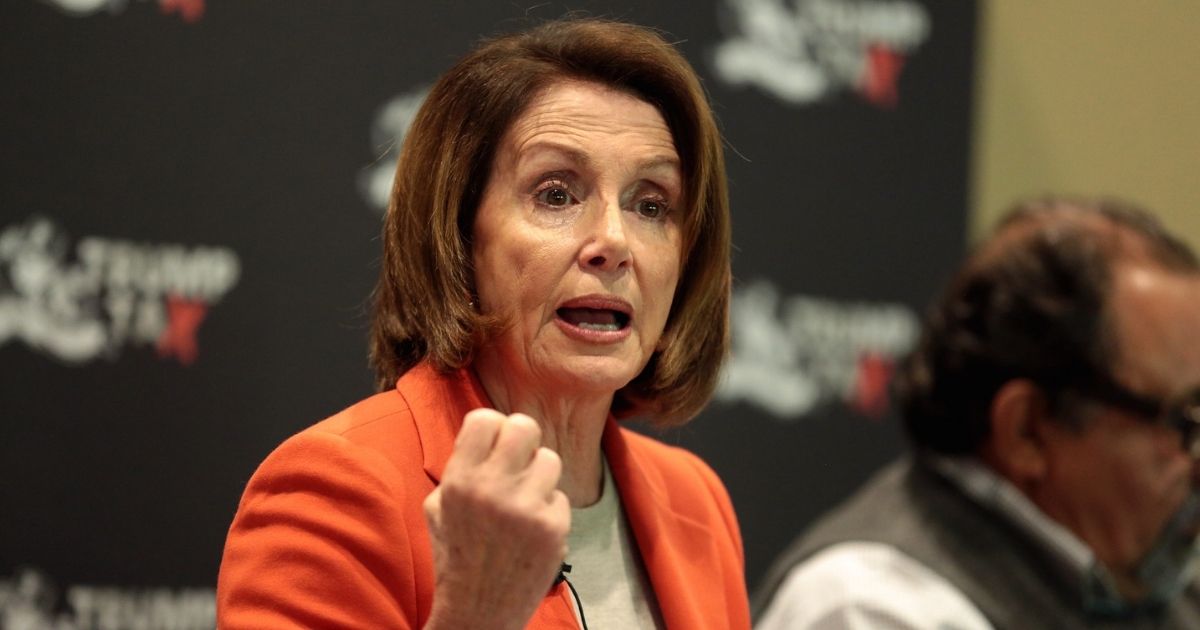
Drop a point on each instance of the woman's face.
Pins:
(576, 240)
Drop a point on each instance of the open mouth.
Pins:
(600, 319)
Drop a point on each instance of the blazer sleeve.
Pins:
(323, 538)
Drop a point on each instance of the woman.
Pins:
(556, 255)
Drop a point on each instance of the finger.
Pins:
(520, 436)
(543, 472)
(433, 509)
(477, 436)
(560, 508)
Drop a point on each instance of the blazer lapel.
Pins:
(438, 403)
(678, 551)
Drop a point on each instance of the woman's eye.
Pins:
(652, 208)
(555, 196)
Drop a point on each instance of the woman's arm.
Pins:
(321, 540)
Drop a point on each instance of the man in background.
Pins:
(1052, 407)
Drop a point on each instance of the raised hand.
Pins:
(498, 524)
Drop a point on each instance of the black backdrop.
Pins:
(188, 239)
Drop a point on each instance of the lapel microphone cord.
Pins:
(562, 577)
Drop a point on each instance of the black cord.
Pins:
(578, 604)
(562, 576)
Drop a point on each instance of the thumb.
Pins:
(433, 508)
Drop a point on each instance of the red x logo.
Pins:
(179, 337)
(871, 385)
(882, 70)
(190, 10)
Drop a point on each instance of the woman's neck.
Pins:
(571, 426)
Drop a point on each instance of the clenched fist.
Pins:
(498, 524)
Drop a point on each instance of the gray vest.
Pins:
(1005, 574)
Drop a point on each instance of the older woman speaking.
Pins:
(556, 256)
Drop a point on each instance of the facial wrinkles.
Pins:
(609, 153)
(559, 119)
(1156, 315)
(619, 154)
(609, 135)
(600, 134)
(525, 263)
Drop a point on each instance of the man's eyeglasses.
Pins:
(1181, 413)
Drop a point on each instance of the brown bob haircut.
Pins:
(423, 301)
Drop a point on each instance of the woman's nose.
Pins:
(607, 245)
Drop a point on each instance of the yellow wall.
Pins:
(1089, 97)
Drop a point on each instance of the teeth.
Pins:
(605, 327)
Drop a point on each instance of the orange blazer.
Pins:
(330, 532)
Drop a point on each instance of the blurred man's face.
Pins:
(1117, 482)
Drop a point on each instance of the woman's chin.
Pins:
(595, 375)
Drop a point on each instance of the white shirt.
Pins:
(866, 585)
(606, 569)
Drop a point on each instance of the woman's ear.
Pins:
(1014, 447)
